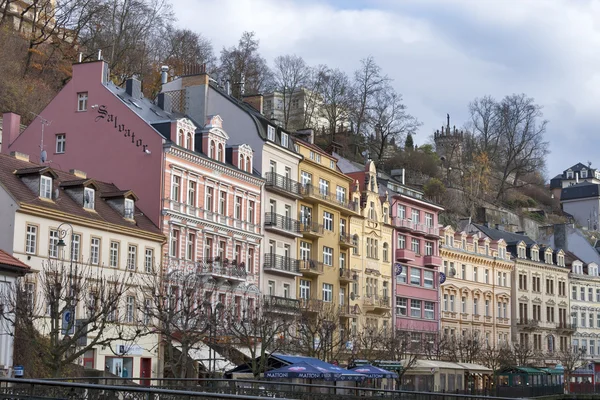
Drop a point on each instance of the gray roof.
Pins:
(580, 190)
(576, 243)
(347, 166)
(509, 237)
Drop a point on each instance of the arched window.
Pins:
(550, 344)
(211, 152)
(385, 252)
(189, 145)
(220, 154)
(248, 165)
(180, 138)
(241, 162)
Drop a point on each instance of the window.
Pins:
(251, 211)
(574, 292)
(82, 99)
(582, 293)
(191, 193)
(474, 274)
(31, 239)
(132, 257)
(401, 241)
(428, 279)
(237, 212)
(415, 276)
(590, 294)
(222, 202)
(416, 246)
(464, 271)
(323, 187)
(385, 252)
(463, 305)
(487, 308)
(286, 290)
(271, 133)
(305, 178)
(428, 219)
(401, 306)
(95, 251)
(75, 247)
(149, 260)
(114, 254)
(486, 276)
(327, 255)
(174, 243)
(45, 187)
(401, 211)
(61, 140)
(428, 248)
(415, 308)
(415, 216)
(327, 221)
(305, 248)
(332, 164)
(429, 310)
(130, 309)
(284, 139)
(452, 302)
(327, 292)
(190, 250)
(128, 208)
(340, 194)
(271, 288)
(208, 203)
(402, 277)
(475, 306)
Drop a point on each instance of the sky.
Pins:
(441, 54)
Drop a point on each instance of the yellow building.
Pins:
(476, 296)
(324, 212)
(371, 260)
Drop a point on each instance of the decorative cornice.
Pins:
(211, 224)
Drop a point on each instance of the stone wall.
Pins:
(509, 220)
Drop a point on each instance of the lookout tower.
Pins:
(449, 143)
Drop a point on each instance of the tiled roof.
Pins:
(6, 260)
(64, 203)
(580, 190)
(509, 237)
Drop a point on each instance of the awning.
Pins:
(373, 372)
(203, 355)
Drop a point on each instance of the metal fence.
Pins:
(251, 389)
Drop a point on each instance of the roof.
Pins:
(580, 190)
(578, 167)
(509, 237)
(522, 370)
(15, 186)
(9, 262)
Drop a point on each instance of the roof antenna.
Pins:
(45, 122)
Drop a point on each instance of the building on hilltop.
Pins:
(576, 174)
(582, 201)
(449, 144)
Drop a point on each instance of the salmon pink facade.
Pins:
(416, 271)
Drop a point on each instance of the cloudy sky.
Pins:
(441, 54)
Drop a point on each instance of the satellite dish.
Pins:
(43, 156)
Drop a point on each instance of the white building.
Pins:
(43, 208)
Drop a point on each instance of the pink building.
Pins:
(417, 277)
(191, 181)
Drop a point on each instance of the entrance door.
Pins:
(145, 371)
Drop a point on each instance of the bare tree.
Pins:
(465, 348)
(244, 67)
(368, 81)
(312, 95)
(290, 74)
(403, 346)
(261, 330)
(390, 121)
(184, 47)
(523, 353)
(177, 306)
(369, 343)
(336, 98)
(571, 358)
(76, 308)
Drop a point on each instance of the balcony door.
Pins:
(305, 215)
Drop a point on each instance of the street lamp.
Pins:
(62, 233)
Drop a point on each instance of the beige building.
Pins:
(57, 221)
(476, 295)
(370, 256)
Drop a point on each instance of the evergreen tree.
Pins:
(408, 144)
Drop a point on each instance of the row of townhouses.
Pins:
(200, 182)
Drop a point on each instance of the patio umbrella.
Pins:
(302, 370)
(373, 372)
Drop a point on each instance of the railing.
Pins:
(312, 191)
(282, 222)
(346, 239)
(311, 304)
(313, 266)
(282, 182)
(347, 274)
(281, 303)
(280, 263)
(308, 226)
(528, 323)
(217, 266)
(377, 301)
(566, 326)
(415, 226)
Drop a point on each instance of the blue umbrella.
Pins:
(302, 370)
(373, 372)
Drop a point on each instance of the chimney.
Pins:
(11, 128)
(133, 87)
(228, 87)
(164, 101)
(576, 177)
(307, 134)
(20, 156)
(499, 227)
(255, 101)
(520, 232)
(78, 173)
(560, 237)
(399, 174)
(164, 74)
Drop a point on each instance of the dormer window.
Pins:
(569, 174)
(46, 187)
(221, 154)
(129, 207)
(560, 260)
(535, 255)
(548, 258)
(584, 173)
(521, 252)
(271, 133)
(89, 198)
(284, 139)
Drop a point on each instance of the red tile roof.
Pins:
(64, 203)
(6, 260)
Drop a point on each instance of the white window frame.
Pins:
(129, 309)
(132, 257)
(284, 139)
(82, 100)
(91, 194)
(149, 260)
(114, 254)
(328, 221)
(45, 187)
(31, 239)
(129, 208)
(61, 143)
(328, 256)
(429, 310)
(95, 251)
(327, 292)
(304, 289)
(271, 133)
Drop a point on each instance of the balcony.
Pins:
(312, 193)
(377, 304)
(281, 304)
(346, 240)
(311, 267)
(405, 255)
(311, 229)
(348, 311)
(402, 224)
(528, 324)
(566, 327)
(283, 185)
(278, 264)
(311, 305)
(347, 276)
(282, 224)
(222, 270)
(432, 261)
